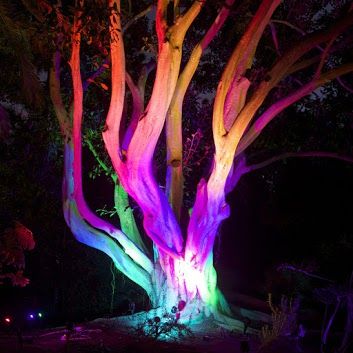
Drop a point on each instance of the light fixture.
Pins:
(7, 320)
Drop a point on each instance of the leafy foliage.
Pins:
(165, 327)
(284, 321)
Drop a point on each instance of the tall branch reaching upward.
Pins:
(174, 139)
(280, 71)
(82, 208)
(135, 167)
(270, 113)
(210, 207)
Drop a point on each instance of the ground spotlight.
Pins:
(7, 320)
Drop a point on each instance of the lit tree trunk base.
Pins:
(190, 296)
(169, 306)
(177, 288)
(197, 316)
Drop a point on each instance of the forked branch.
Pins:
(266, 117)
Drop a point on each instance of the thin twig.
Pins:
(99, 160)
(286, 155)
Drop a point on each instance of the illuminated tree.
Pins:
(181, 267)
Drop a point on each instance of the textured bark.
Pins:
(174, 138)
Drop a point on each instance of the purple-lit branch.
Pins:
(283, 156)
(210, 206)
(279, 71)
(275, 37)
(82, 208)
(240, 167)
(95, 238)
(276, 108)
(138, 97)
(309, 62)
(134, 168)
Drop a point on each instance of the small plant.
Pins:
(166, 326)
(337, 299)
(284, 320)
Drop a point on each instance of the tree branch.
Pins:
(96, 74)
(124, 261)
(107, 60)
(121, 203)
(161, 23)
(240, 167)
(276, 108)
(113, 120)
(283, 156)
(134, 168)
(135, 171)
(137, 111)
(210, 207)
(72, 180)
(184, 22)
(78, 197)
(308, 62)
(324, 55)
(279, 71)
(55, 96)
(240, 60)
(275, 37)
(133, 20)
(174, 182)
(138, 98)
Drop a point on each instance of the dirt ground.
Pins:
(116, 336)
(100, 338)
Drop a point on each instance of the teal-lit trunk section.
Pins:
(170, 280)
(93, 237)
(126, 216)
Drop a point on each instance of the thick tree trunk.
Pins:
(171, 294)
